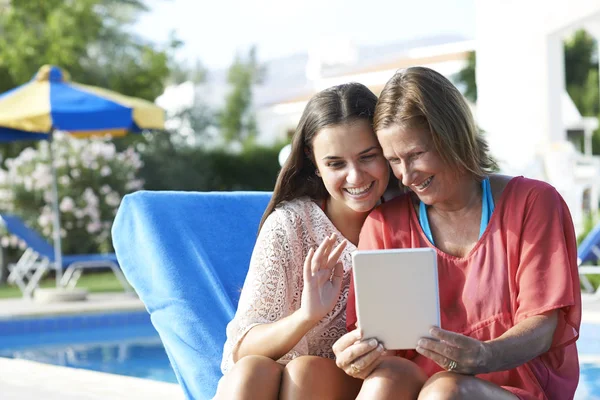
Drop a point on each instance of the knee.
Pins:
(301, 370)
(251, 377)
(399, 369)
(443, 386)
(257, 368)
(394, 377)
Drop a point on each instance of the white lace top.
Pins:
(273, 286)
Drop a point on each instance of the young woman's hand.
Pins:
(323, 276)
(357, 357)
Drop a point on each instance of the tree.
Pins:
(466, 78)
(236, 121)
(581, 72)
(88, 38)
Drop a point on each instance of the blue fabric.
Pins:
(12, 135)
(37, 243)
(487, 209)
(487, 205)
(77, 110)
(186, 255)
(584, 251)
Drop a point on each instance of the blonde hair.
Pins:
(420, 97)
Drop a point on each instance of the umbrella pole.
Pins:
(55, 213)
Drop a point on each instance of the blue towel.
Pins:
(186, 255)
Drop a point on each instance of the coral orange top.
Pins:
(524, 264)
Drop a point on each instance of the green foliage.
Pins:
(98, 282)
(590, 221)
(581, 71)
(237, 123)
(195, 168)
(92, 179)
(89, 39)
(466, 78)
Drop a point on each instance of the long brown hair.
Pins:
(420, 97)
(340, 104)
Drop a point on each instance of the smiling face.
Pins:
(415, 161)
(351, 164)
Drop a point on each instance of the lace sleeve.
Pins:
(265, 296)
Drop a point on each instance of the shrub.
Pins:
(92, 178)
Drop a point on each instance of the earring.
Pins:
(317, 173)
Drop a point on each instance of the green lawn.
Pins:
(95, 282)
(594, 280)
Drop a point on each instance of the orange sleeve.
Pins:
(546, 277)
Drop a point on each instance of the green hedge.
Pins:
(197, 169)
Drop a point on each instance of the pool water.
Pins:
(128, 344)
(120, 343)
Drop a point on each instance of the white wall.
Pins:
(520, 81)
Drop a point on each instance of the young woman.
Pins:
(293, 303)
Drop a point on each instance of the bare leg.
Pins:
(452, 386)
(252, 377)
(394, 378)
(315, 378)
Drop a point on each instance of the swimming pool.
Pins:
(118, 343)
(127, 344)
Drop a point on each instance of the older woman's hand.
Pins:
(357, 357)
(455, 352)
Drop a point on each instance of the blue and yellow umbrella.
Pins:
(50, 102)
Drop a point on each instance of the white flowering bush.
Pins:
(92, 178)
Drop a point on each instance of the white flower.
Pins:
(113, 199)
(105, 189)
(5, 241)
(134, 185)
(64, 180)
(75, 173)
(28, 183)
(105, 171)
(93, 227)
(67, 204)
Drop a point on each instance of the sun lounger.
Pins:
(38, 258)
(186, 255)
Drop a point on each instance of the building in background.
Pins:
(536, 131)
(532, 125)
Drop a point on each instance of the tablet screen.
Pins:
(397, 296)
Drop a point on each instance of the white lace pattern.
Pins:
(273, 286)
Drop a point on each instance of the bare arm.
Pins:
(276, 339)
(523, 342)
(322, 277)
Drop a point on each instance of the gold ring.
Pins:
(354, 368)
(452, 366)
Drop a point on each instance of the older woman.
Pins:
(507, 258)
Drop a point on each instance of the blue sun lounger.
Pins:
(38, 258)
(187, 255)
(589, 252)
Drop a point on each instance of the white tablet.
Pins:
(397, 296)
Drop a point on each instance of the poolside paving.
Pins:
(23, 379)
(96, 302)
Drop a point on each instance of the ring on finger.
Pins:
(354, 368)
(452, 366)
